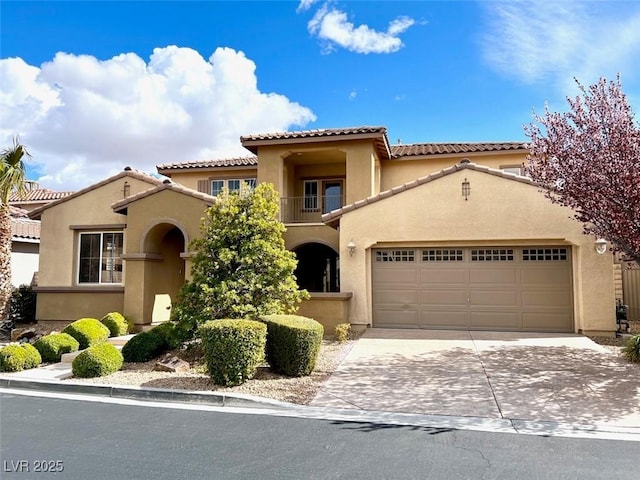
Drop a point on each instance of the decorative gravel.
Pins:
(300, 390)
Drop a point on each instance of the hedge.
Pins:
(88, 332)
(97, 361)
(54, 345)
(144, 347)
(233, 349)
(33, 357)
(116, 323)
(293, 344)
(12, 358)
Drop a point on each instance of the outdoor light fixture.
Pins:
(466, 189)
(601, 246)
(352, 247)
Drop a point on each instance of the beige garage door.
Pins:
(513, 288)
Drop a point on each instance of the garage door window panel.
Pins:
(544, 254)
(492, 255)
(388, 256)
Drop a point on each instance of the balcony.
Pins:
(308, 209)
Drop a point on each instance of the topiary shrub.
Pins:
(33, 357)
(116, 323)
(88, 332)
(144, 347)
(171, 334)
(97, 361)
(343, 332)
(12, 358)
(293, 344)
(631, 349)
(233, 349)
(54, 345)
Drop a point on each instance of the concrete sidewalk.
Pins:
(518, 376)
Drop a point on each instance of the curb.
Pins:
(147, 393)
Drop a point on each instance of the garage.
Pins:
(473, 288)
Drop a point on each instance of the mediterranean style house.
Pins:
(433, 235)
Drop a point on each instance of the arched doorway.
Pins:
(167, 274)
(318, 268)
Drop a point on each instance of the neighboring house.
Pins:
(35, 197)
(434, 235)
(25, 243)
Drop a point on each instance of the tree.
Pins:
(241, 268)
(589, 159)
(12, 179)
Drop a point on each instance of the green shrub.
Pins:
(631, 349)
(116, 323)
(144, 347)
(22, 304)
(12, 358)
(97, 361)
(33, 357)
(171, 334)
(343, 332)
(293, 344)
(233, 349)
(87, 331)
(54, 345)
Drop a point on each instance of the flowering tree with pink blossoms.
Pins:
(589, 159)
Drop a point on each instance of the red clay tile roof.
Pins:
(18, 212)
(424, 149)
(379, 134)
(332, 218)
(121, 205)
(38, 195)
(251, 161)
(127, 172)
(24, 228)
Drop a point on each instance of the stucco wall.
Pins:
(71, 305)
(297, 235)
(398, 171)
(498, 212)
(24, 262)
(58, 242)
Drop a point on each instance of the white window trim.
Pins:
(225, 183)
(101, 233)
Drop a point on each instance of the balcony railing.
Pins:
(308, 209)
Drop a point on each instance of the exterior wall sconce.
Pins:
(352, 247)
(601, 246)
(466, 189)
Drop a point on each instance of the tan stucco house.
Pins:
(433, 235)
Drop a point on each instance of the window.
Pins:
(100, 258)
(330, 199)
(395, 256)
(442, 255)
(517, 169)
(492, 255)
(544, 254)
(233, 184)
(310, 194)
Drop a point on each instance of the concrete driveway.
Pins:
(519, 376)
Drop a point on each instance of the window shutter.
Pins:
(203, 186)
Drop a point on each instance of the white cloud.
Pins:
(332, 26)
(305, 5)
(554, 41)
(84, 119)
(353, 94)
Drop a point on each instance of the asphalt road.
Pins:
(56, 438)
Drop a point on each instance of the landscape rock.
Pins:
(25, 334)
(173, 364)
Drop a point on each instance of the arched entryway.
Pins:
(318, 268)
(165, 243)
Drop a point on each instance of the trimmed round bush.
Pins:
(170, 333)
(144, 347)
(88, 332)
(233, 349)
(631, 349)
(116, 323)
(54, 345)
(33, 357)
(97, 361)
(12, 358)
(293, 344)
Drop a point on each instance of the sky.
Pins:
(93, 86)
